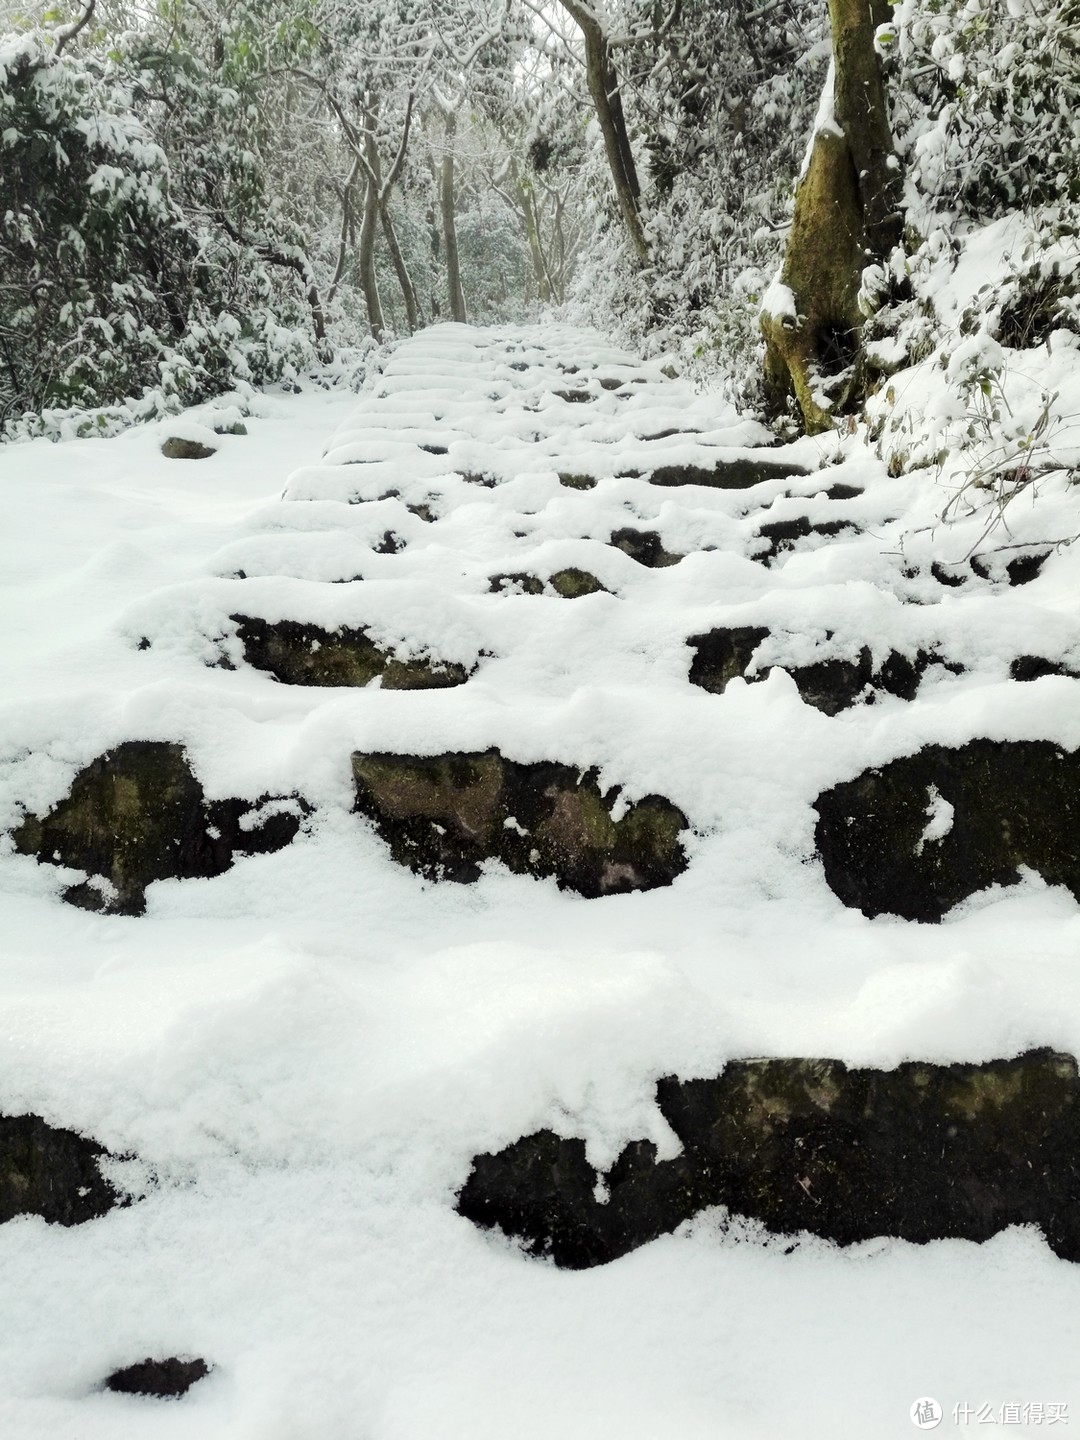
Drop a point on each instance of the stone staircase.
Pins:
(587, 573)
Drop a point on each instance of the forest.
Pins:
(203, 193)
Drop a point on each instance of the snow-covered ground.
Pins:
(306, 1052)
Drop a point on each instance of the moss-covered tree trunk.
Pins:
(846, 217)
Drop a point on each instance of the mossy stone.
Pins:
(572, 583)
(299, 654)
(176, 448)
(444, 815)
(922, 1152)
(137, 814)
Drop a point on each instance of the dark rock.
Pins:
(782, 534)
(947, 575)
(518, 583)
(390, 544)
(843, 492)
(1034, 667)
(722, 655)
(444, 815)
(829, 685)
(833, 685)
(298, 654)
(434, 449)
(1019, 571)
(922, 1152)
(667, 434)
(138, 814)
(176, 448)
(1014, 803)
(644, 546)
(573, 583)
(224, 427)
(610, 382)
(725, 474)
(166, 1379)
(573, 397)
(487, 481)
(570, 584)
(1026, 567)
(52, 1173)
(578, 482)
(422, 512)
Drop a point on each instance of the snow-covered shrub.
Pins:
(986, 96)
(116, 302)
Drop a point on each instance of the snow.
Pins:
(306, 1052)
(939, 819)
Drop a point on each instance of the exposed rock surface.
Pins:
(50, 1172)
(166, 1379)
(737, 474)
(1019, 571)
(922, 833)
(644, 546)
(723, 655)
(829, 685)
(299, 654)
(517, 583)
(444, 815)
(176, 448)
(570, 584)
(781, 535)
(1034, 667)
(921, 1152)
(138, 814)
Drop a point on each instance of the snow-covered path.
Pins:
(306, 1052)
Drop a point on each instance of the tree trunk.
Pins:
(446, 204)
(846, 217)
(603, 83)
(369, 284)
(532, 232)
(401, 270)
